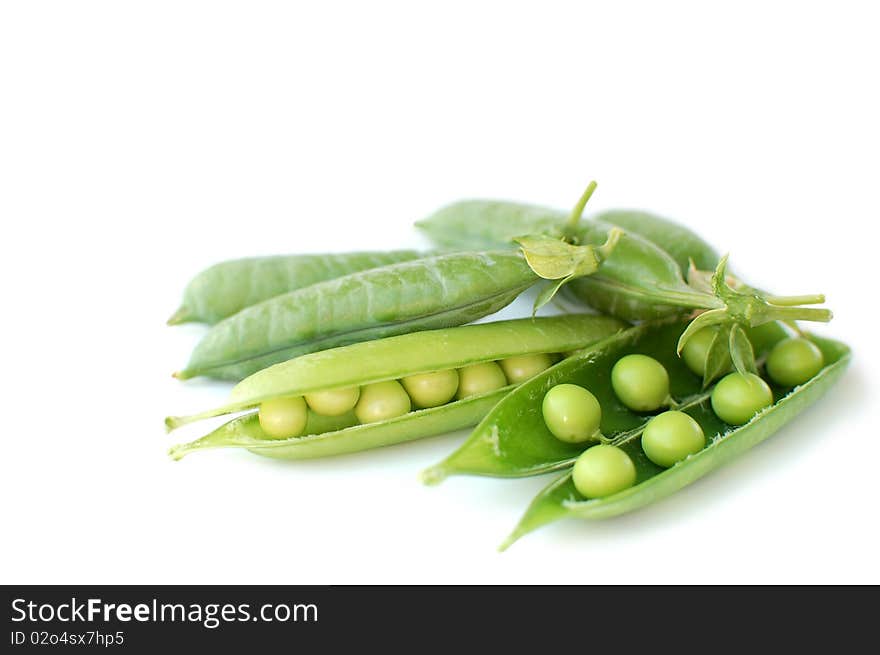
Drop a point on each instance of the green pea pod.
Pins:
(228, 287)
(349, 437)
(638, 281)
(486, 224)
(388, 359)
(489, 224)
(513, 440)
(680, 242)
(427, 293)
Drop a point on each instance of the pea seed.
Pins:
(794, 361)
(480, 378)
(737, 398)
(603, 470)
(670, 437)
(524, 367)
(382, 401)
(283, 418)
(431, 389)
(640, 382)
(333, 402)
(696, 351)
(571, 413)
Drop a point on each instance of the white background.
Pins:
(141, 142)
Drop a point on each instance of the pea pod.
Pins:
(228, 287)
(487, 224)
(519, 444)
(434, 292)
(389, 359)
(640, 279)
(513, 440)
(680, 242)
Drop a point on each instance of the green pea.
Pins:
(696, 351)
(794, 361)
(603, 470)
(479, 379)
(670, 437)
(571, 413)
(524, 367)
(382, 401)
(283, 418)
(431, 389)
(737, 397)
(640, 382)
(333, 402)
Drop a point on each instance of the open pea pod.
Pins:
(560, 499)
(513, 440)
(389, 359)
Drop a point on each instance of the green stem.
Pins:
(776, 313)
(576, 213)
(792, 301)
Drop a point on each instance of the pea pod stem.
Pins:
(578, 210)
(791, 301)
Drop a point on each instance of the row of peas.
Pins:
(284, 418)
(641, 383)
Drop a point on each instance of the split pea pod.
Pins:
(523, 445)
(364, 365)
(228, 287)
(434, 292)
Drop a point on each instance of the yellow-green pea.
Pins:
(382, 401)
(283, 418)
(571, 413)
(794, 361)
(696, 351)
(478, 379)
(603, 470)
(640, 382)
(431, 389)
(524, 367)
(670, 437)
(737, 398)
(333, 402)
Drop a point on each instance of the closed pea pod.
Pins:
(435, 292)
(389, 359)
(642, 279)
(228, 287)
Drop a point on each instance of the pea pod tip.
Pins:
(182, 315)
(433, 476)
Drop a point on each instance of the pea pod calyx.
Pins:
(748, 307)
